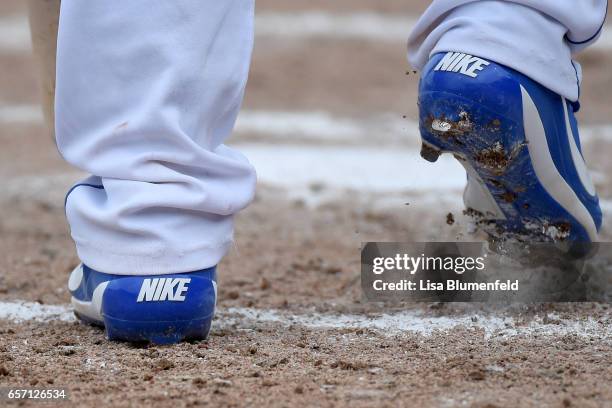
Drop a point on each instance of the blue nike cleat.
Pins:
(160, 309)
(519, 144)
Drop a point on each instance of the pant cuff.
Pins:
(129, 264)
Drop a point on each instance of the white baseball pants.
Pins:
(535, 37)
(147, 92)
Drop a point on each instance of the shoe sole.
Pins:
(132, 331)
(500, 160)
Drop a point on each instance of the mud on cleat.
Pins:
(160, 309)
(519, 144)
(430, 153)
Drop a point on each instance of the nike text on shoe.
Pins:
(519, 144)
(160, 309)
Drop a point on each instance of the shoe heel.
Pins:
(160, 309)
(451, 123)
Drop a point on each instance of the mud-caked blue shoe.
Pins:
(519, 144)
(161, 309)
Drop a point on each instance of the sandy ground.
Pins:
(293, 329)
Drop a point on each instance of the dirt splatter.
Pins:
(557, 232)
(473, 213)
(450, 219)
(493, 158)
(496, 159)
(509, 196)
(495, 125)
(451, 128)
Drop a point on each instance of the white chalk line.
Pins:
(15, 34)
(369, 26)
(417, 322)
(21, 114)
(30, 311)
(387, 324)
(325, 126)
(301, 169)
(376, 170)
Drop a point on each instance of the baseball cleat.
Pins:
(519, 144)
(160, 309)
